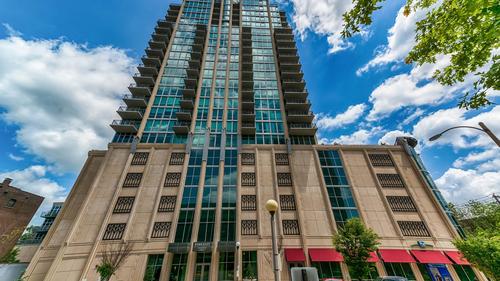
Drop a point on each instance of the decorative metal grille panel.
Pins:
(248, 202)
(287, 202)
(413, 228)
(281, 159)
(167, 204)
(381, 160)
(284, 179)
(173, 179)
(124, 204)
(161, 229)
(248, 179)
(249, 227)
(401, 204)
(390, 180)
(114, 231)
(140, 158)
(291, 227)
(177, 158)
(132, 180)
(248, 159)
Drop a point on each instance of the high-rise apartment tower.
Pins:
(217, 123)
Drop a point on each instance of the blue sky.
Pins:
(64, 65)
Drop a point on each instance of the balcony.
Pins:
(163, 30)
(247, 75)
(161, 45)
(248, 116)
(291, 95)
(131, 113)
(144, 80)
(302, 129)
(184, 115)
(297, 105)
(297, 76)
(289, 67)
(171, 18)
(294, 86)
(190, 83)
(300, 116)
(193, 73)
(164, 24)
(187, 104)
(139, 91)
(132, 101)
(246, 85)
(159, 37)
(148, 70)
(182, 127)
(288, 59)
(283, 36)
(126, 126)
(248, 128)
(44, 227)
(154, 53)
(247, 66)
(247, 94)
(247, 103)
(280, 43)
(195, 64)
(49, 214)
(188, 93)
(153, 61)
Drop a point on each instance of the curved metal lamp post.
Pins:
(272, 207)
(482, 129)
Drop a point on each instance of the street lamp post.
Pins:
(482, 129)
(272, 207)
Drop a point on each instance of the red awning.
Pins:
(457, 257)
(320, 255)
(401, 256)
(373, 257)
(424, 256)
(294, 255)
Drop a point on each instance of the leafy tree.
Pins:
(29, 233)
(481, 222)
(112, 260)
(474, 216)
(355, 242)
(10, 256)
(482, 249)
(467, 30)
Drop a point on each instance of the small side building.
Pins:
(17, 207)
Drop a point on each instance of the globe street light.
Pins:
(272, 207)
(482, 129)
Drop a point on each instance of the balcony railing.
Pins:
(133, 113)
(49, 214)
(135, 101)
(139, 91)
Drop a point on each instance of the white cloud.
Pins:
(459, 185)
(417, 113)
(416, 88)
(477, 157)
(323, 17)
(458, 138)
(34, 179)
(15, 157)
(390, 137)
(400, 40)
(362, 136)
(62, 96)
(10, 30)
(327, 122)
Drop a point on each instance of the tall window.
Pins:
(465, 272)
(153, 268)
(339, 191)
(328, 269)
(226, 266)
(178, 271)
(399, 269)
(249, 263)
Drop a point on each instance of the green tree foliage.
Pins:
(466, 30)
(10, 256)
(482, 249)
(481, 222)
(29, 233)
(355, 242)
